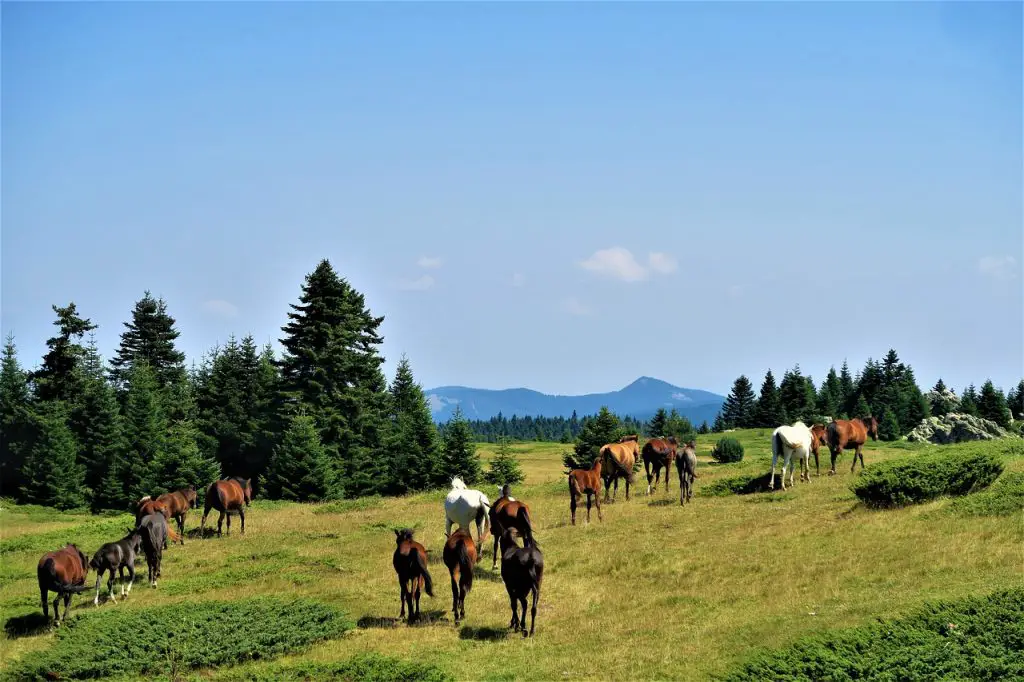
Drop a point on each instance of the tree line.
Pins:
(539, 428)
(886, 390)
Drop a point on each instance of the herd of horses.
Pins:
(522, 567)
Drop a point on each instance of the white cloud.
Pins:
(419, 284)
(573, 306)
(998, 267)
(518, 279)
(662, 262)
(220, 307)
(615, 262)
(430, 262)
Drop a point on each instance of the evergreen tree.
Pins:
(888, 427)
(942, 400)
(704, 428)
(505, 466)
(414, 446)
(769, 412)
(738, 410)
(15, 420)
(969, 401)
(52, 475)
(1015, 401)
(861, 410)
(868, 385)
(992, 405)
(58, 379)
(149, 337)
(657, 426)
(720, 424)
(679, 427)
(146, 428)
(459, 457)
(830, 397)
(300, 468)
(846, 388)
(596, 432)
(798, 398)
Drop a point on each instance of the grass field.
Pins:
(656, 591)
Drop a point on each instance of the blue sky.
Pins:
(559, 196)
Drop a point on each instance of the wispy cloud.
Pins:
(1001, 268)
(619, 263)
(430, 262)
(419, 284)
(518, 279)
(218, 306)
(662, 262)
(574, 306)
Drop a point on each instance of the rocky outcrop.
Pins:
(956, 428)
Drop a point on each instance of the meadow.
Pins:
(656, 591)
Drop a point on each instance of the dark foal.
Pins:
(508, 512)
(522, 570)
(154, 531)
(116, 557)
(459, 556)
(410, 562)
(658, 453)
(686, 465)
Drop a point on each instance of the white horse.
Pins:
(785, 441)
(464, 507)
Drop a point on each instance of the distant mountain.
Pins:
(641, 399)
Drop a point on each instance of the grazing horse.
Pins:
(686, 466)
(785, 441)
(586, 482)
(227, 496)
(465, 506)
(508, 512)
(819, 437)
(522, 570)
(154, 531)
(116, 557)
(459, 556)
(618, 460)
(658, 453)
(410, 562)
(178, 503)
(851, 434)
(62, 572)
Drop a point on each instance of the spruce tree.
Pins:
(861, 410)
(738, 410)
(830, 397)
(942, 400)
(58, 379)
(1015, 401)
(15, 420)
(98, 427)
(414, 446)
(720, 424)
(300, 468)
(846, 388)
(992, 405)
(888, 427)
(969, 401)
(704, 428)
(798, 399)
(504, 468)
(656, 428)
(180, 463)
(149, 337)
(679, 427)
(597, 431)
(459, 457)
(51, 474)
(146, 427)
(770, 412)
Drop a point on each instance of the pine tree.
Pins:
(149, 337)
(656, 428)
(459, 457)
(414, 446)
(942, 400)
(180, 463)
(596, 432)
(58, 379)
(146, 427)
(969, 401)
(15, 420)
(846, 388)
(52, 475)
(830, 397)
(704, 428)
(798, 399)
(1015, 401)
(300, 468)
(888, 427)
(504, 468)
(992, 405)
(738, 410)
(679, 427)
(861, 410)
(770, 412)
(720, 424)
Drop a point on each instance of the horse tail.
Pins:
(465, 567)
(172, 534)
(483, 513)
(779, 444)
(421, 563)
(619, 465)
(523, 516)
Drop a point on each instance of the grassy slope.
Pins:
(656, 591)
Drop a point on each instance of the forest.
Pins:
(320, 420)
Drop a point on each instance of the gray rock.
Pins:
(956, 428)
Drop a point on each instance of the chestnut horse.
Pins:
(147, 506)
(850, 434)
(410, 562)
(508, 512)
(819, 437)
(618, 460)
(586, 482)
(227, 496)
(686, 466)
(178, 503)
(658, 453)
(62, 572)
(459, 556)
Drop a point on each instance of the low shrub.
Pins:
(737, 485)
(362, 668)
(927, 476)
(169, 639)
(1005, 497)
(727, 450)
(979, 638)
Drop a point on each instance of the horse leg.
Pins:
(241, 515)
(522, 610)
(202, 523)
(401, 596)
(99, 579)
(67, 605)
(181, 528)
(771, 481)
(647, 469)
(46, 604)
(615, 488)
(418, 590)
(131, 577)
(110, 586)
(229, 521)
(597, 503)
(588, 507)
(515, 616)
(572, 511)
(533, 608)
(857, 453)
(455, 596)
(56, 608)
(627, 499)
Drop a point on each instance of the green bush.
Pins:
(1005, 497)
(727, 450)
(737, 485)
(361, 668)
(505, 466)
(978, 638)
(927, 476)
(170, 639)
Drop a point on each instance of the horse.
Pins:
(459, 556)
(619, 459)
(154, 531)
(785, 441)
(522, 570)
(226, 496)
(62, 572)
(844, 434)
(465, 506)
(819, 437)
(586, 482)
(410, 562)
(686, 466)
(178, 503)
(658, 453)
(508, 512)
(116, 557)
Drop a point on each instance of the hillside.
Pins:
(640, 399)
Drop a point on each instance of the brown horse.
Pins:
(459, 556)
(177, 504)
(686, 465)
(410, 562)
(62, 572)
(850, 434)
(819, 437)
(227, 496)
(147, 505)
(522, 571)
(658, 453)
(508, 512)
(618, 460)
(585, 482)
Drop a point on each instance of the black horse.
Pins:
(522, 569)
(116, 557)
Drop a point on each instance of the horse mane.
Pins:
(457, 484)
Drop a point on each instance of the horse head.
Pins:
(505, 491)
(247, 489)
(507, 541)
(403, 535)
(457, 484)
(190, 495)
(872, 425)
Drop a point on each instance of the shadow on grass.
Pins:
(661, 503)
(483, 634)
(486, 574)
(27, 625)
(426, 619)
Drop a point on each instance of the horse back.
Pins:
(175, 502)
(68, 566)
(225, 496)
